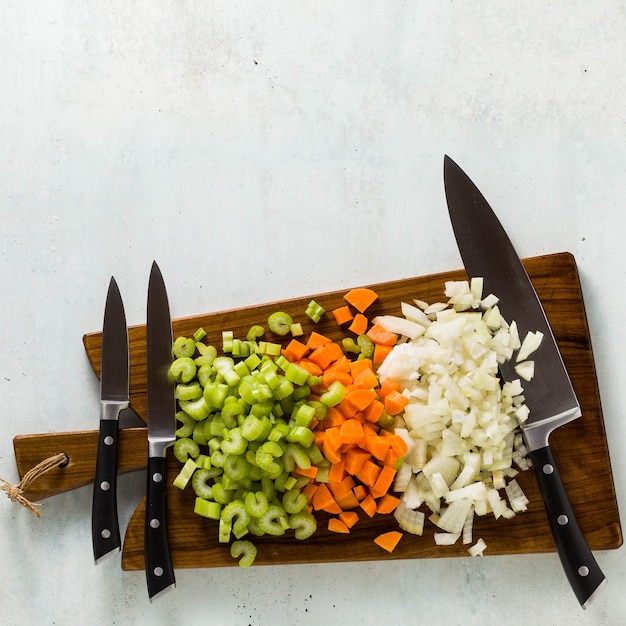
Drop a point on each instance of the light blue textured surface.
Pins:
(260, 151)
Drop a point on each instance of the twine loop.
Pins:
(15, 493)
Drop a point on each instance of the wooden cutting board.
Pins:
(580, 447)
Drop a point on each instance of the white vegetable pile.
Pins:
(461, 424)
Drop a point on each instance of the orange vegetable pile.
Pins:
(364, 457)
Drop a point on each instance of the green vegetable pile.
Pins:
(245, 427)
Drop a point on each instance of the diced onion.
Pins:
(461, 424)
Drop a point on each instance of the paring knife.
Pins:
(114, 397)
(161, 435)
(487, 252)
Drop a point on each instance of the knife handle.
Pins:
(105, 528)
(583, 573)
(159, 570)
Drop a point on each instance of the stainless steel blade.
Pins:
(114, 397)
(161, 434)
(115, 362)
(487, 252)
(161, 400)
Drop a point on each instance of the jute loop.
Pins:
(16, 492)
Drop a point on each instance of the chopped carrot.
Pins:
(392, 459)
(308, 490)
(361, 298)
(342, 314)
(398, 445)
(356, 367)
(311, 472)
(310, 366)
(381, 352)
(387, 504)
(359, 324)
(388, 541)
(349, 518)
(335, 525)
(360, 398)
(385, 479)
(355, 459)
(337, 471)
(334, 417)
(378, 446)
(368, 504)
(331, 375)
(373, 412)
(389, 384)
(323, 499)
(395, 402)
(316, 340)
(295, 350)
(379, 334)
(351, 431)
(366, 379)
(368, 474)
(347, 500)
(336, 353)
(321, 356)
(360, 492)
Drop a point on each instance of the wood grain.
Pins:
(80, 448)
(580, 447)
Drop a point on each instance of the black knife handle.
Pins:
(105, 528)
(159, 571)
(579, 564)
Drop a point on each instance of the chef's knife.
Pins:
(487, 252)
(114, 398)
(161, 435)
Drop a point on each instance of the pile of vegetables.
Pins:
(404, 412)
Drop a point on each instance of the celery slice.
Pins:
(279, 323)
(244, 549)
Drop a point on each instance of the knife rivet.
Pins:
(156, 477)
(583, 570)
(104, 485)
(108, 440)
(154, 523)
(548, 469)
(158, 571)
(106, 533)
(562, 520)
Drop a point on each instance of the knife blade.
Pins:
(114, 397)
(161, 434)
(487, 252)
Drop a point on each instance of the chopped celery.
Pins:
(188, 391)
(271, 523)
(183, 369)
(207, 508)
(183, 347)
(304, 524)
(314, 311)
(255, 332)
(185, 448)
(236, 511)
(279, 322)
(366, 345)
(188, 424)
(349, 345)
(294, 501)
(244, 549)
(198, 409)
(199, 335)
(185, 474)
(296, 330)
(334, 395)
